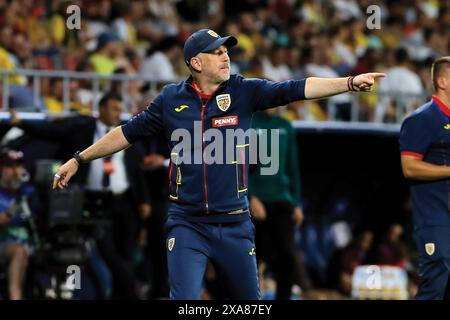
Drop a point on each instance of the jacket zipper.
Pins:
(203, 157)
(205, 187)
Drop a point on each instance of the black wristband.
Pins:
(78, 158)
(350, 84)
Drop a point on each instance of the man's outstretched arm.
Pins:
(110, 143)
(316, 88)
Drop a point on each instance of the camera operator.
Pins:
(118, 176)
(15, 240)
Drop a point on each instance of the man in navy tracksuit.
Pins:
(425, 156)
(208, 215)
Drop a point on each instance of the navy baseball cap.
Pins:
(205, 40)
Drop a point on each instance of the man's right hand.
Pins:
(257, 209)
(65, 172)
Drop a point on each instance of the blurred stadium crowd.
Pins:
(278, 40)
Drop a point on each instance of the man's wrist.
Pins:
(350, 85)
(78, 158)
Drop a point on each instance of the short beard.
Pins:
(221, 79)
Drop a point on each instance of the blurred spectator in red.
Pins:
(392, 250)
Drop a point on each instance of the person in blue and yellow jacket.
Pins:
(208, 213)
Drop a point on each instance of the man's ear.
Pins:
(196, 64)
(442, 82)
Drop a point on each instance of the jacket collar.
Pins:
(189, 82)
(445, 109)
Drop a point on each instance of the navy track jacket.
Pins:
(199, 190)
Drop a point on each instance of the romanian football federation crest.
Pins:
(223, 101)
(171, 244)
(429, 248)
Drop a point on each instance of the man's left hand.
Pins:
(365, 81)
